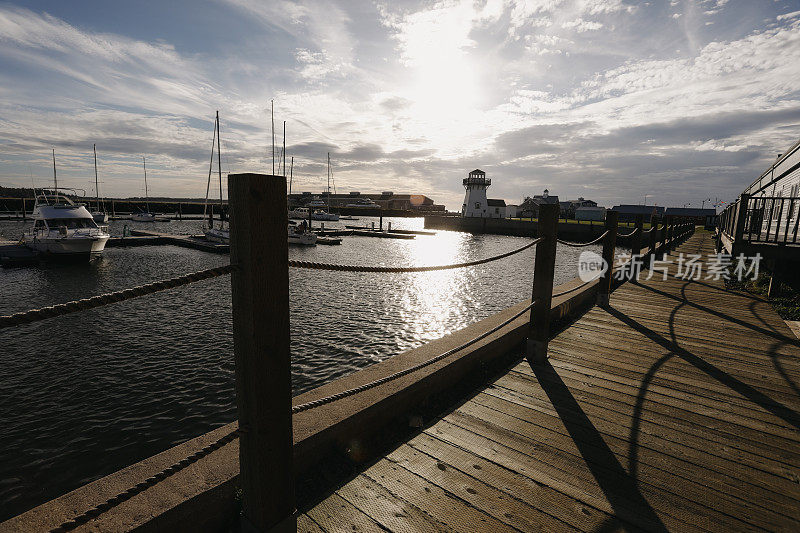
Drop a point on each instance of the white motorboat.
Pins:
(321, 214)
(364, 202)
(143, 216)
(299, 213)
(100, 217)
(63, 228)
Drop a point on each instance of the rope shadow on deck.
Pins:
(772, 353)
(773, 406)
(620, 489)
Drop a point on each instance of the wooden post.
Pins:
(609, 243)
(670, 233)
(113, 211)
(380, 227)
(24, 210)
(664, 224)
(543, 271)
(636, 243)
(180, 211)
(653, 232)
(260, 301)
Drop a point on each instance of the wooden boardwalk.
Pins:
(674, 409)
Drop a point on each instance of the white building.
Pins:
(475, 202)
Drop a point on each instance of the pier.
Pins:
(671, 405)
(640, 419)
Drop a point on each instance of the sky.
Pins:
(668, 103)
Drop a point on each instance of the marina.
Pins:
(465, 461)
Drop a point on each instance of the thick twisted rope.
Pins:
(631, 234)
(350, 392)
(229, 437)
(581, 244)
(356, 268)
(110, 503)
(573, 289)
(35, 315)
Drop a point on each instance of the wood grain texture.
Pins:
(674, 408)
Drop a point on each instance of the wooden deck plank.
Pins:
(674, 408)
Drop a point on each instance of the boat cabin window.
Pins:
(71, 223)
(39, 224)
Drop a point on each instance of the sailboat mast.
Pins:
(329, 182)
(219, 170)
(291, 167)
(146, 199)
(55, 177)
(272, 102)
(96, 183)
(210, 169)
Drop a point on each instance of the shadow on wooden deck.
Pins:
(674, 408)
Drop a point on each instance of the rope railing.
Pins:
(123, 496)
(350, 392)
(581, 244)
(358, 268)
(35, 315)
(153, 480)
(573, 289)
(631, 234)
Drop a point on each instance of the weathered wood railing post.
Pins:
(670, 233)
(636, 243)
(543, 271)
(664, 225)
(609, 242)
(260, 298)
(653, 233)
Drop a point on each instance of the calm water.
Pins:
(86, 394)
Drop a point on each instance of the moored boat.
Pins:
(62, 228)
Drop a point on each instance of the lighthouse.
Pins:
(475, 203)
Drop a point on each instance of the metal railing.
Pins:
(762, 220)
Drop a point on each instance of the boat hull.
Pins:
(303, 239)
(217, 235)
(325, 216)
(70, 247)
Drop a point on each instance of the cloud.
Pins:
(590, 98)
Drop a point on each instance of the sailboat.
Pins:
(322, 214)
(220, 234)
(144, 216)
(99, 214)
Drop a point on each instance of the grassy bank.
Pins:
(786, 304)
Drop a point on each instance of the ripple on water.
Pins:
(89, 393)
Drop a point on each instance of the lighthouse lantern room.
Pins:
(475, 204)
